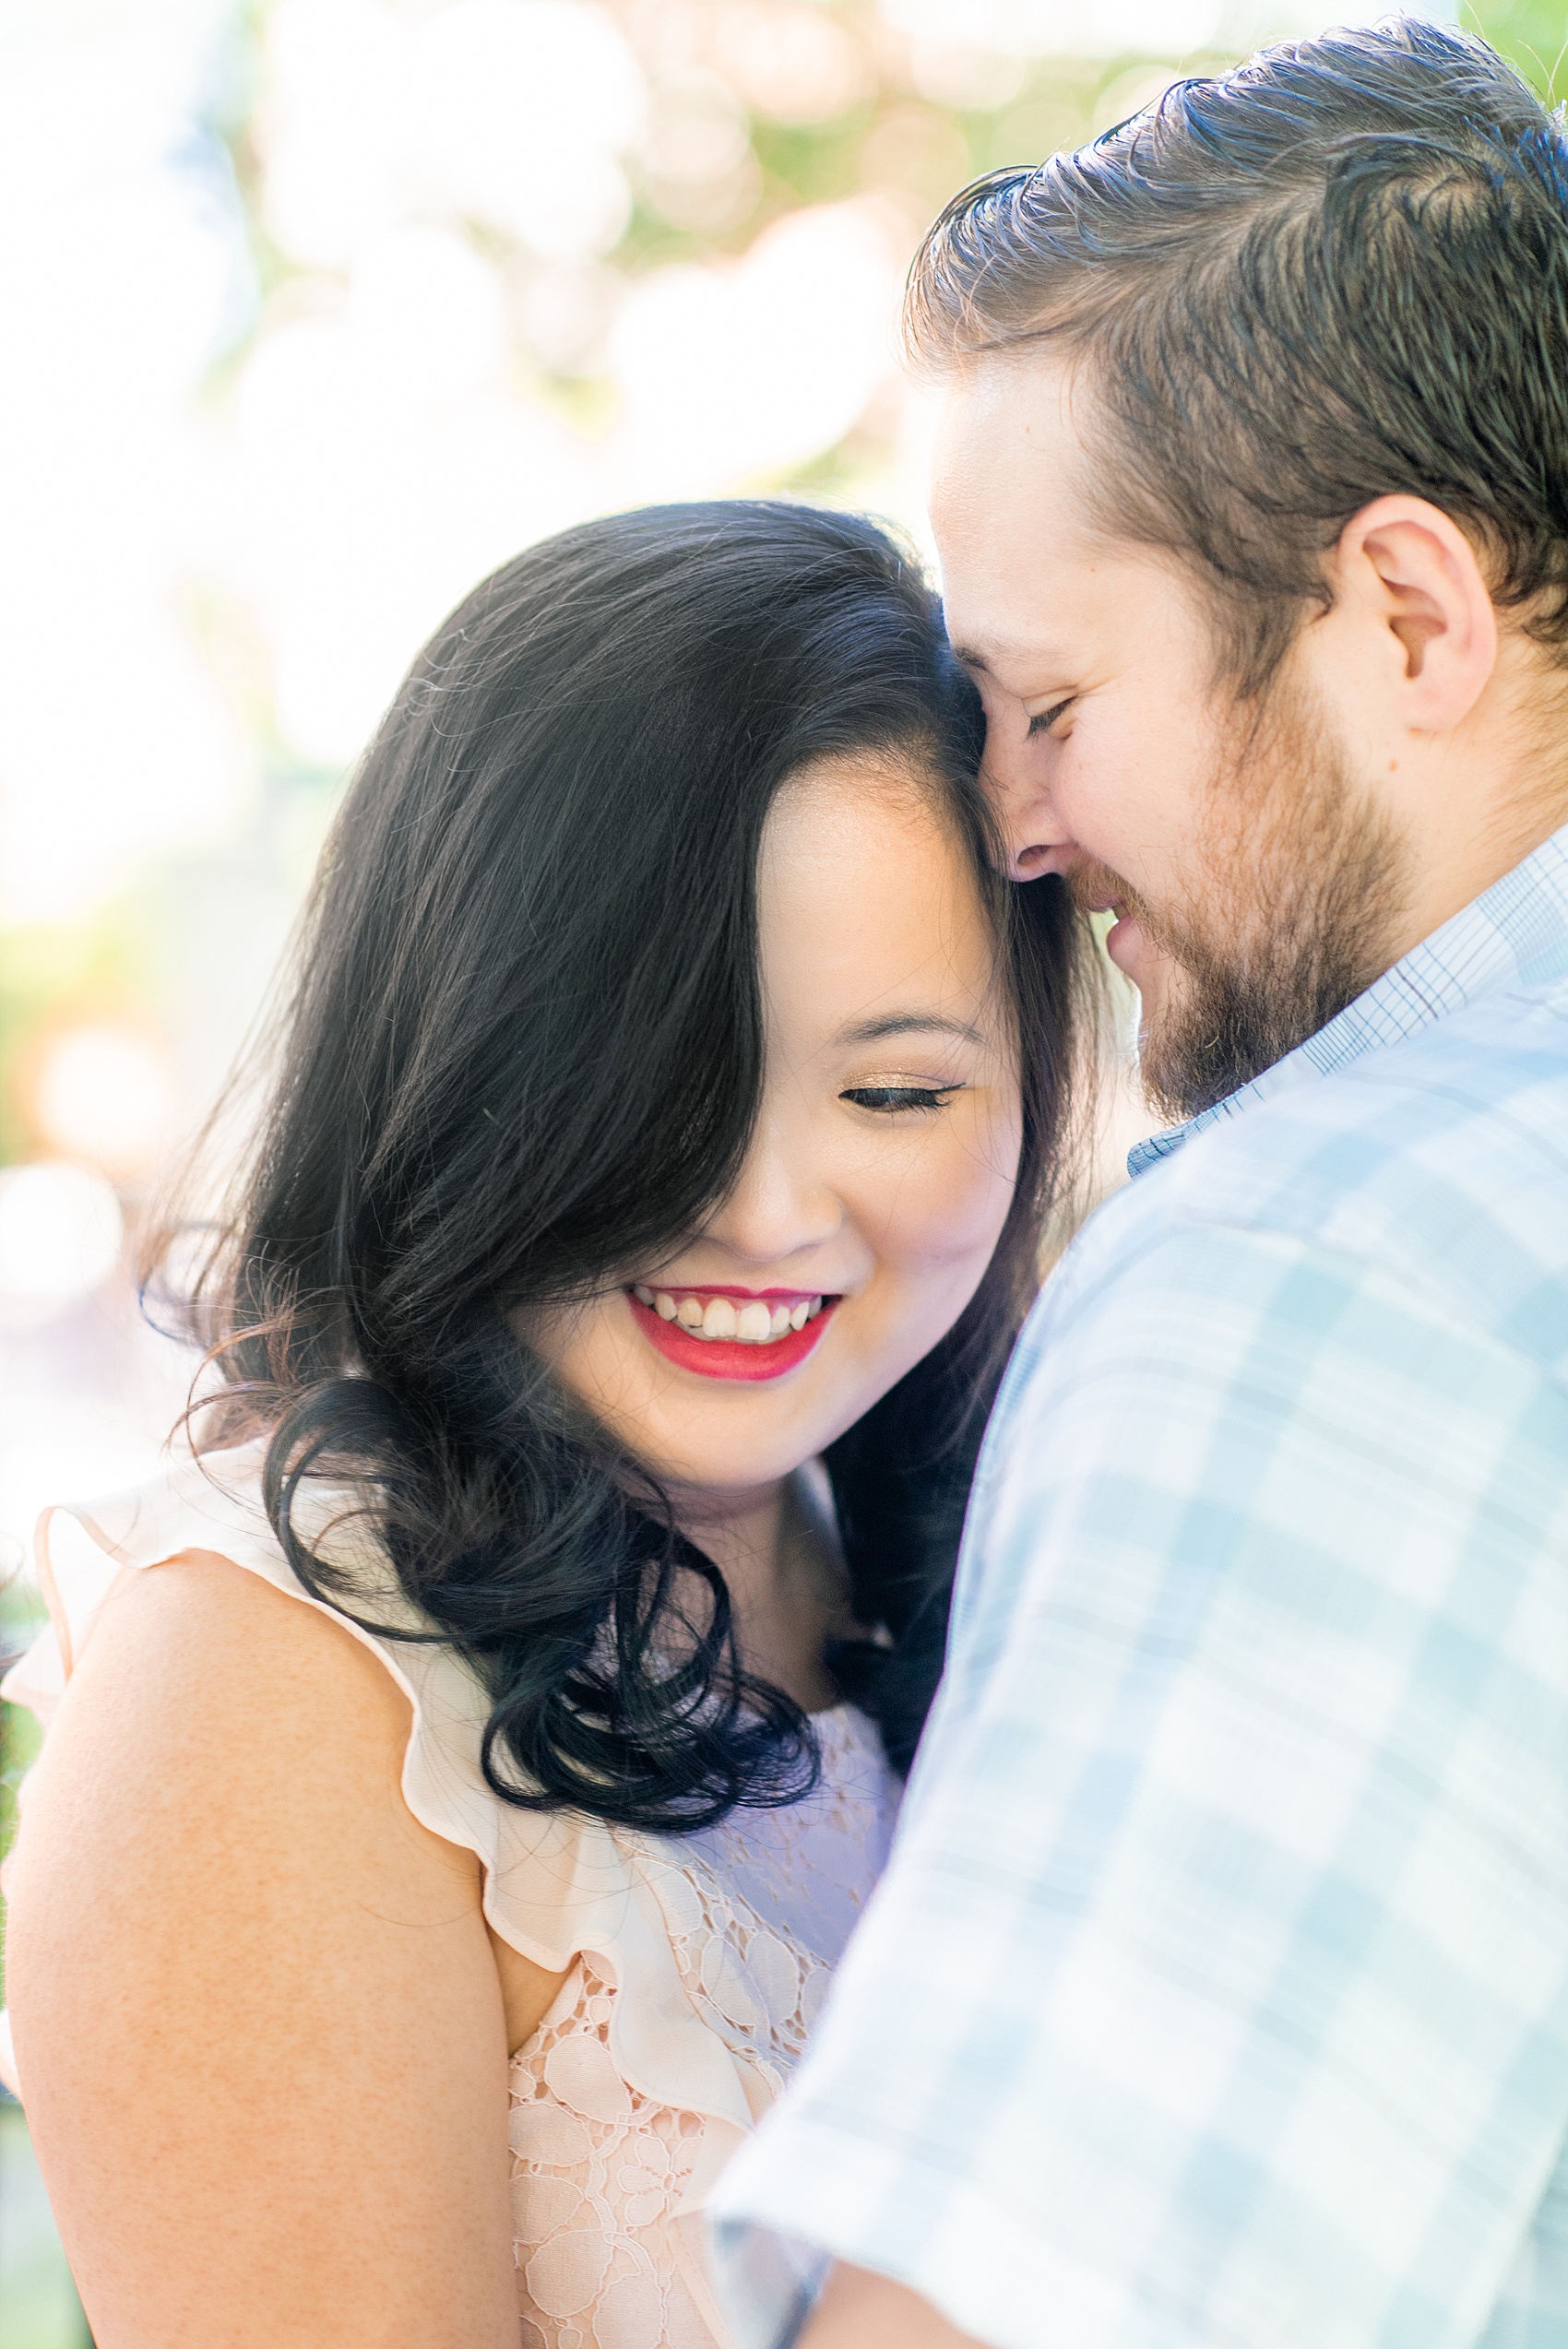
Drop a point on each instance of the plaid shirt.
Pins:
(1217, 1989)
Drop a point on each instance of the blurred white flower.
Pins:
(566, 314)
(105, 1095)
(328, 130)
(522, 107)
(959, 73)
(427, 314)
(511, 113)
(1166, 27)
(60, 1239)
(1104, 27)
(794, 64)
(698, 171)
(736, 371)
(373, 497)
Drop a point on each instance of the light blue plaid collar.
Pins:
(1515, 933)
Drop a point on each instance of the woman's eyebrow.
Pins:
(873, 1031)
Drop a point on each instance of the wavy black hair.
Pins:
(522, 1058)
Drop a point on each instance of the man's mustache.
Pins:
(1095, 886)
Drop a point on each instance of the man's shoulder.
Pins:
(1440, 1159)
(1483, 1091)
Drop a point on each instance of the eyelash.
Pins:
(889, 1100)
(1047, 717)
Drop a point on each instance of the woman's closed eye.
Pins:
(890, 1100)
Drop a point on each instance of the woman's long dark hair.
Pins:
(522, 1060)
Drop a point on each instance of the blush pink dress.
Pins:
(697, 1963)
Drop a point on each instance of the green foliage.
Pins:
(1532, 34)
(21, 1614)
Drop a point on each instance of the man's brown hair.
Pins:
(1338, 271)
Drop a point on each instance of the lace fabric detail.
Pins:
(597, 2171)
(758, 1910)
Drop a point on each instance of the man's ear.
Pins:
(1407, 567)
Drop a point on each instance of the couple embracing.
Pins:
(438, 1866)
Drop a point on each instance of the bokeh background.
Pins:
(313, 312)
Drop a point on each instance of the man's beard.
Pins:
(1300, 889)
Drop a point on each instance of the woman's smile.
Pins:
(882, 1163)
(732, 1333)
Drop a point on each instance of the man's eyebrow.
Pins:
(1034, 654)
(874, 1031)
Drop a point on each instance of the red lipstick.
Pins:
(722, 1358)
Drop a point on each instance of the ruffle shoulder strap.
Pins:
(555, 1884)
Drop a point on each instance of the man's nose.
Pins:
(1035, 839)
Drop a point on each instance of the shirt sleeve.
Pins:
(1218, 1991)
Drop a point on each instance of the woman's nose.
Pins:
(780, 1205)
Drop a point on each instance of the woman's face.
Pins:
(880, 1173)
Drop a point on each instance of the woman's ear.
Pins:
(1408, 574)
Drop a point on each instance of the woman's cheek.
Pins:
(940, 1229)
(952, 1207)
(595, 1351)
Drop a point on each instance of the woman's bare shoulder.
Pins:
(201, 1688)
(200, 1618)
(207, 1699)
(223, 1905)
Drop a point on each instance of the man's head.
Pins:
(1252, 495)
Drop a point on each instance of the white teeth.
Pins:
(755, 1323)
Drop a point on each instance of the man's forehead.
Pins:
(1033, 614)
(1007, 510)
(1034, 384)
(1005, 425)
(1017, 599)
